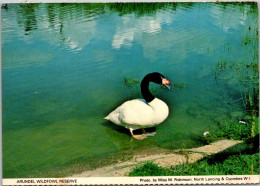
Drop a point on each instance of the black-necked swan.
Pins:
(142, 113)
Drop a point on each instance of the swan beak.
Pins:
(166, 83)
(168, 86)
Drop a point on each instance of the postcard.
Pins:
(130, 92)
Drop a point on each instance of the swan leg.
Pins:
(138, 137)
(149, 133)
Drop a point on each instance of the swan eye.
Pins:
(165, 81)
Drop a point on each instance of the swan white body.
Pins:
(138, 114)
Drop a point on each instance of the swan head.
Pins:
(154, 77)
(158, 78)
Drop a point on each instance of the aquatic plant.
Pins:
(179, 85)
(246, 78)
(250, 37)
(131, 81)
(244, 75)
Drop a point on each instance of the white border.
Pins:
(149, 180)
(154, 180)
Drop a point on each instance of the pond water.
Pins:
(64, 68)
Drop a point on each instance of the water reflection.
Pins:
(234, 20)
(140, 9)
(130, 28)
(27, 17)
(74, 25)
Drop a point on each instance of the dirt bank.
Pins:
(165, 159)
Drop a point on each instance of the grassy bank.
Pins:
(240, 129)
(234, 165)
(242, 159)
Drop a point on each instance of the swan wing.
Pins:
(134, 112)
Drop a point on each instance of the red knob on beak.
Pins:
(165, 81)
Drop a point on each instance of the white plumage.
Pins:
(137, 114)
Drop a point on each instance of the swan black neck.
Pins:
(152, 77)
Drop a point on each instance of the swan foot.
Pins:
(139, 136)
(150, 133)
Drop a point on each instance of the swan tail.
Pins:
(107, 118)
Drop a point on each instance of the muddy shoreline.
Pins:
(164, 159)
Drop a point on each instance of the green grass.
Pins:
(233, 165)
(149, 169)
(235, 130)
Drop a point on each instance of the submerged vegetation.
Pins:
(131, 81)
(245, 76)
(179, 85)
